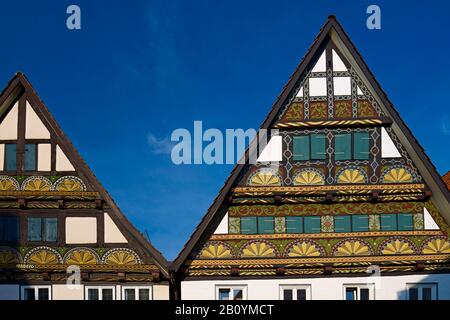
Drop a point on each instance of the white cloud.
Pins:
(159, 146)
(445, 125)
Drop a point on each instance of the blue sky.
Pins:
(137, 70)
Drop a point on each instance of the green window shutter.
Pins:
(388, 222)
(342, 146)
(11, 226)
(51, 229)
(361, 146)
(10, 157)
(249, 225)
(301, 148)
(30, 157)
(360, 223)
(266, 225)
(342, 224)
(318, 146)
(405, 222)
(294, 224)
(34, 229)
(312, 225)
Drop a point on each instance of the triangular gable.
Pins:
(61, 175)
(366, 87)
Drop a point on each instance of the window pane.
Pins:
(342, 146)
(388, 222)
(405, 221)
(28, 294)
(248, 225)
(34, 229)
(107, 294)
(364, 293)
(301, 294)
(294, 225)
(93, 294)
(266, 225)
(30, 157)
(51, 229)
(224, 294)
(350, 293)
(129, 294)
(360, 223)
(342, 224)
(238, 294)
(43, 294)
(426, 293)
(144, 294)
(361, 147)
(10, 157)
(318, 147)
(301, 148)
(413, 294)
(11, 229)
(287, 294)
(312, 224)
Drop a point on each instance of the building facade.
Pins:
(342, 203)
(58, 225)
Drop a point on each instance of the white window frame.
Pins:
(420, 286)
(136, 291)
(100, 292)
(294, 288)
(358, 287)
(232, 288)
(36, 294)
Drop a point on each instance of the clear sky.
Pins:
(137, 70)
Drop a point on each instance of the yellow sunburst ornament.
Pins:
(265, 178)
(8, 257)
(81, 257)
(398, 246)
(309, 177)
(258, 249)
(351, 176)
(69, 184)
(216, 251)
(397, 175)
(36, 184)
(436, 246)
(304, 249)
(42, 256)
(121, 257)
(352, 248)
(8, 184)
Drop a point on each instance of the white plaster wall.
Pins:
(62, 162)
(65, 292)
(81, 230)
(112, 232)
(317, 87)
(388, 148)
(321, 64)
(386, 287)
(338, 64)
(9, 292)
(273, 151)
(44, 157)
(34, 128)
(161, 292)
(222, 228)
(342, 86)
(8, 127)
(2, 156)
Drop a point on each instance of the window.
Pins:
(249, 225)
(42, 229)
(422, 291)
(294, 225)
(136, 293)
(345, 150)
(35, 292)
(296, 292)
(405, 222)
(359, 292)
(231, 293)
(9, 229)
(310, 147)
(10, 157)
(388, 222)
(266, 225)
(342, 224)
(30, 157)
(99, 293)
(360, 223)
(312, 224)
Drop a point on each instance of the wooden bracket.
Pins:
(156, 276)
(328, 197)
(22, 203)
(375, 196)
(99, 204)
(121, 276)
(277, 200)
(280, 271)
(61, 203)
(328, 270)
(234, 272)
